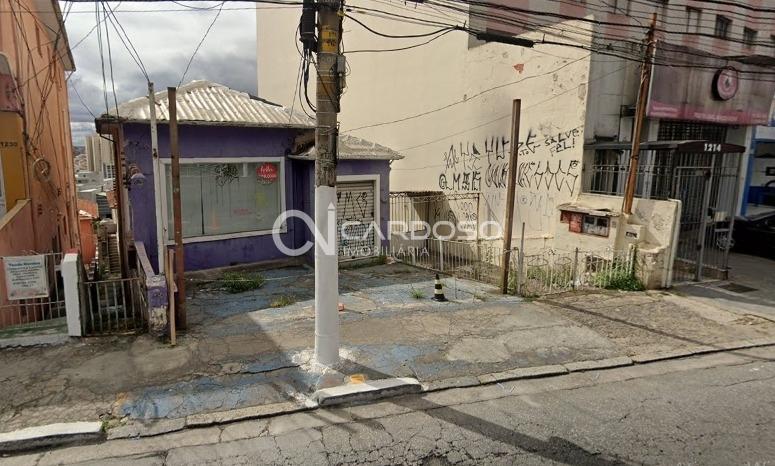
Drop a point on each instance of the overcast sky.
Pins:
(165, 41)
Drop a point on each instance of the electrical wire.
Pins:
(78, 95)
(467, 99)
(212, 23)
(503, 117)
(128, 45)
(405, 36)
(110, 60)
(102, 55)
(400, 48)
(607, 50)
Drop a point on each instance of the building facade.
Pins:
(240, 170)
(447, 104)
(37, 190)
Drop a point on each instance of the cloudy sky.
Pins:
(165, 39)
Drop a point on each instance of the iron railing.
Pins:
(37, 312)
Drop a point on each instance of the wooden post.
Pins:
(170, 261)
(516, 111)
(180, 304)
(640, 115)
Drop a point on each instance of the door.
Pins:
(708, 206)
(355, 217)
(692, 186)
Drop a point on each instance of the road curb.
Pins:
(63, 433)
(599, 364)
(358, 393)
(367, 391)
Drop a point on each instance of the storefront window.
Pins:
(227, 198)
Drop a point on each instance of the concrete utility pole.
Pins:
(516, 111)
(180, 282)
(640, 115)
(326, 135)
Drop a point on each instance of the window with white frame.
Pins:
(224, 198)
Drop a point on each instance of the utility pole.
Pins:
(180, 281)
(161, 260)
(640, 115)
(516, 111)
(326, 134)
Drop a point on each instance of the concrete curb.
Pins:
(367, 391)
(354, 393)
(65, 433)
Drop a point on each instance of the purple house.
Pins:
(243, 161)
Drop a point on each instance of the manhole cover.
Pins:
(737, 288)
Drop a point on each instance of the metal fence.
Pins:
(608, 174)
(536, 274)
(114, 305)
(37, 312)
(475, 260)
(548, 272)
(453, 216)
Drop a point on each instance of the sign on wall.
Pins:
(26, 277)
(708, 89)
(267, 173)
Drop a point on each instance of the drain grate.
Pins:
(737, 288)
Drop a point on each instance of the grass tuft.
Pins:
(282, 301)
(239, 282)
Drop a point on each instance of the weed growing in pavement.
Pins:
(282, 301)
(239, 282)
(417, 294)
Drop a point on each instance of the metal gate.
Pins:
(115, 305)
(355, 211)
(707, 185)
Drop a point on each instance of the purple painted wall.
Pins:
(228, 141)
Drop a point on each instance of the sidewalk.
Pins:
(240, 353)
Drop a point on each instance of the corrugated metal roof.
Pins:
(213, 103)
(355, 148)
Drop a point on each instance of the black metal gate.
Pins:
(705, 180)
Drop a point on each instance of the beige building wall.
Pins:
(447, 107)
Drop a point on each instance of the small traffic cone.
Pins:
(438, 291)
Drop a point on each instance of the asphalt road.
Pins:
(715, 409)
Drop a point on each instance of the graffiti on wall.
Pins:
(355, 234)
(549, 175)
(548, 172)
(551, 144)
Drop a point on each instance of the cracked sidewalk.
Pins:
(239, 352)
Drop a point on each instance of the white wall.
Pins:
(464, 97)
(99, 153)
